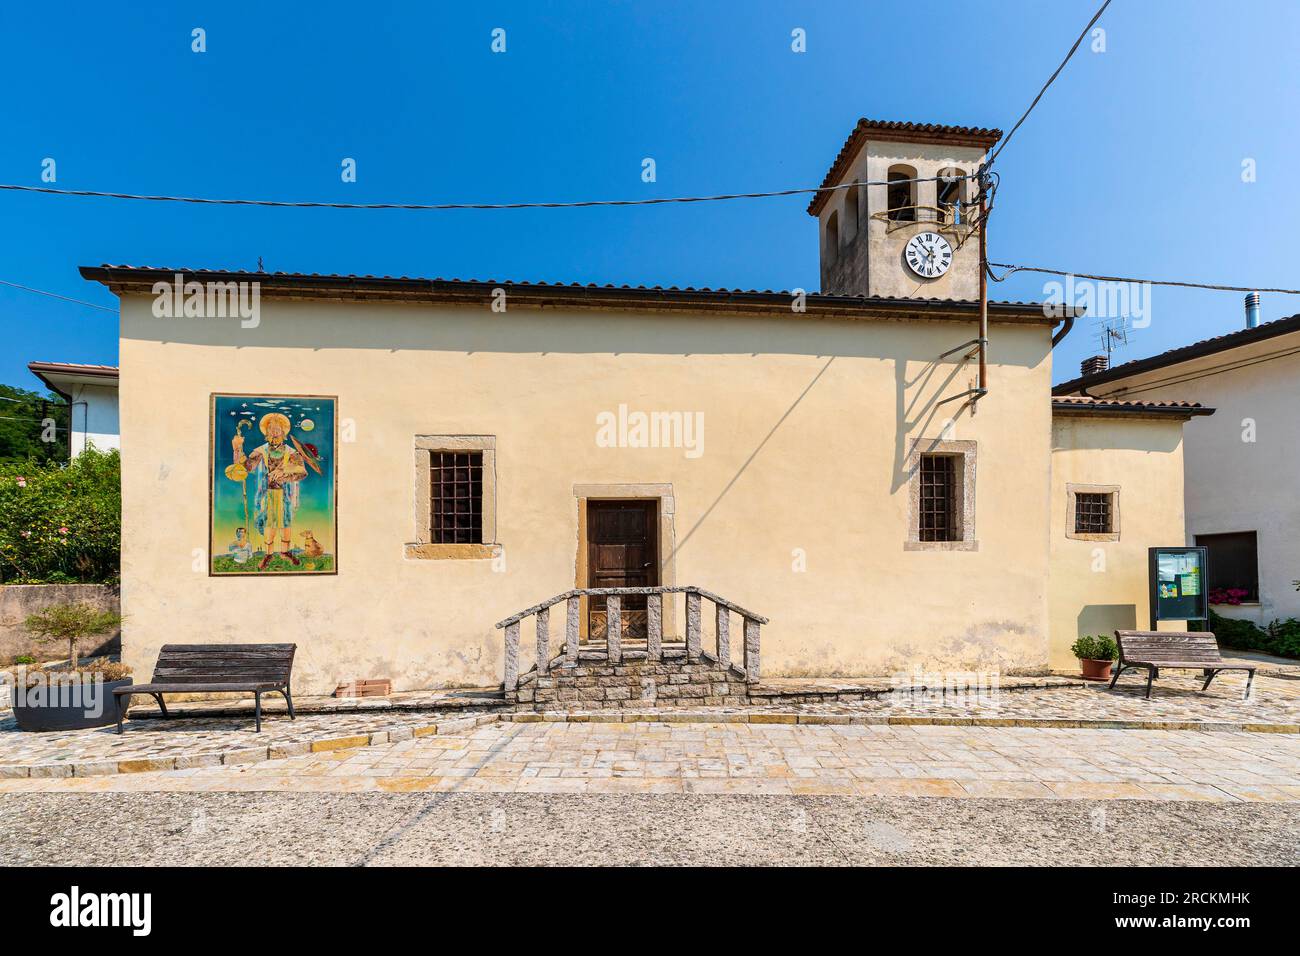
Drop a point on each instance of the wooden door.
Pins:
(622, 552)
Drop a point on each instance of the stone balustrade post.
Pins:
(614, 628)
(571, 631)
(543, 641)
(692, 626)
(511, 681)
(654, 628)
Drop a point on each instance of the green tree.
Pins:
(61, 522)
(72, 623)
(23, 418)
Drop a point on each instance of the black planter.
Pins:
(48, 715)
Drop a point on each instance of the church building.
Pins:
(383, 469)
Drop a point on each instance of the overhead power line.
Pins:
(1050, 80)
(1011, 269)
(471, 205)
(55, 295)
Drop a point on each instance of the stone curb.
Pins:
(241, 755)
(1062, 723)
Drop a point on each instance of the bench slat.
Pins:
(1169, 647)
(228, 649)
(215, 687)
(218, 657)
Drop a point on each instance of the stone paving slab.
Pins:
(189, 743)
(1176, 699)
(193, 742)
(771, 759)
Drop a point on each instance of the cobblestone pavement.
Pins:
(780, 759)
(377, 829)
(1176, 697)
(197, 741)
(191, 742)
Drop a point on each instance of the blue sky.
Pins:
(1131, 165)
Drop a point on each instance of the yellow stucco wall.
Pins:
(1100, 586)
(807, 428)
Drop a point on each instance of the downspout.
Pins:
(1068, 323)
(982, 385)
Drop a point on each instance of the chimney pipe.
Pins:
(1252, 310)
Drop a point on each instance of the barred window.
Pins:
(1092, 513)
(456, 497)
(938, 498)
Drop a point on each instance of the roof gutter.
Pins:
(540, 295)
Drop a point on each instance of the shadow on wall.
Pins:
(1107, 619)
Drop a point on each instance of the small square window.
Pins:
(1092, 513)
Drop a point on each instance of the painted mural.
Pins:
(274, 485)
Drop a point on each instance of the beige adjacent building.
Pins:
(825, 460)
(1240, 497)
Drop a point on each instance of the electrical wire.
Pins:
(55, 295)
(462, 205)
(1011, 269)
(1050, 80)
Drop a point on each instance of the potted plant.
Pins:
(1095, 654)
(71, 696)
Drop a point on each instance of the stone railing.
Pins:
(654, 642)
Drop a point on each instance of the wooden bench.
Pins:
(1177, 650)
(214, 669)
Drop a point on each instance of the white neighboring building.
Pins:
(91, 391)
(1242, 464)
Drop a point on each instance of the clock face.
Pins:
(928, 254)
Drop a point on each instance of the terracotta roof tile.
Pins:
(1184, 353)
(1086, 403)
(890, 131)
(109, 273)
(72, 367)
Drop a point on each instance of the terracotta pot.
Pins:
(1095, 670)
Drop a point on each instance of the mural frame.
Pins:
(211, 479)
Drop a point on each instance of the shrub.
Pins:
(61, 522)
(24, 659)
(1284, 637)
(1100, 647)
(1280, 637)
(106, 670)
(72, 623)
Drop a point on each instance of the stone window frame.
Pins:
(422, 547)
(966, 453)
(1072, 491)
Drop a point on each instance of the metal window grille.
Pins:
(939, 498)
(456, 497)
(1092, 513)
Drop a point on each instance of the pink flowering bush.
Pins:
(1228, 595)
(61, 522)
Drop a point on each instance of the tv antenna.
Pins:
(1113, 334)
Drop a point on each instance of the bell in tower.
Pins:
(912, 235)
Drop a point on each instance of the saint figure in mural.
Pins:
(276, 469)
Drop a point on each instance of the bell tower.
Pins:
(911, 237)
